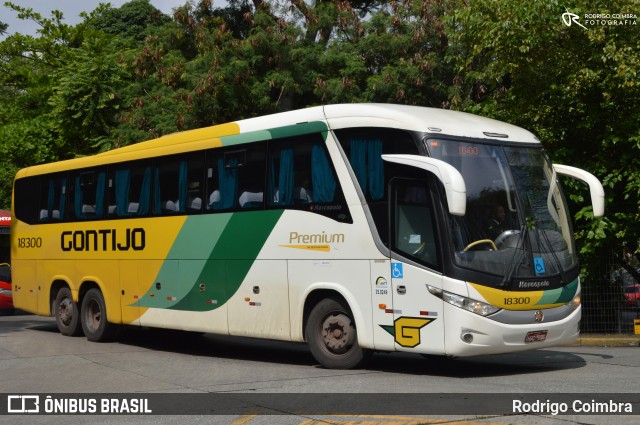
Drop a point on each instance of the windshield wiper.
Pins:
(514, 263)
(556, 260)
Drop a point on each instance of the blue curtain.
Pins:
(367, 164)
(285, 177)
(100, 193)
(122, 191)
(63, 197)
(324, 182)
(271, 183)
(156, 190)
(183, 181)
(358, 159)
(77, 201)
(228, 177)
(51, 199)
(375, 169)
(145, 193)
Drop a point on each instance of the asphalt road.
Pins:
(35, 358)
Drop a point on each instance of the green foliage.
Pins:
(132, 20)
(87, 98)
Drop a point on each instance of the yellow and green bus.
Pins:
(353, 228)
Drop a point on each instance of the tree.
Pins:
(132, 20)
(26, 67)
(87, 97)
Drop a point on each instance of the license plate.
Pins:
(536, 336)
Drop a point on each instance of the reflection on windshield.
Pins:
(516, 225)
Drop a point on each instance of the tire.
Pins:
(332, 337)
(67, 313)
(94, 317)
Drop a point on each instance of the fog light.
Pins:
(467, 337)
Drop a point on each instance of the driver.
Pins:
(497, 223)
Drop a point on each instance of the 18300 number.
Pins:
(517, 301)
(29, 242)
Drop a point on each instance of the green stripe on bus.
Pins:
(234, 254)
(298, 129)
(275, 133)
(185, 260)
(560, 295)
(216, 252)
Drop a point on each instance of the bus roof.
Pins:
(429, 120)
(413, 118)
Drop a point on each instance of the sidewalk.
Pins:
(607, 340)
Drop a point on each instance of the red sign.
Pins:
(5, 218)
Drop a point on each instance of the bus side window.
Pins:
(414, 231)
(363, 148)
(193, 203)
(300, 176)
(289, 179)
(251, 176)
(165, 192)
(53, 197)
(88, 200)
(131, 192)
(222, 179)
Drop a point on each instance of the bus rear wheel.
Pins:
(67, 313)
(94, 317)
(332, 337)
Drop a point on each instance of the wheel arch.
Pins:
(318, 293)
(112, 305)
(57, 284)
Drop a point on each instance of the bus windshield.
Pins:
(517, 224)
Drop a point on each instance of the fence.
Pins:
(610, 297)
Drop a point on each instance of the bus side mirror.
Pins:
(595, 187)
(449, 176)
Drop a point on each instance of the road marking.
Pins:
(242, 420)
(392, 420)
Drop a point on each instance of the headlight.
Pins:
(575, 302)
(474, 306)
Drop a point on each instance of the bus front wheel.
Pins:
(332, 337)
(67, 313)
(94, 317)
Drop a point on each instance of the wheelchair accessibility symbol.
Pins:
(538, 264)
(396, 271)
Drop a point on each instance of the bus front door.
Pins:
(415, 263)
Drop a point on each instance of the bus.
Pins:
(351, 227)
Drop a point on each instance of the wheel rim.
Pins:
(93, 315)
(65, 311)
(338, 333)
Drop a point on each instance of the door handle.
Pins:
(401, 289)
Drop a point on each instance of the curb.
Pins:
(605, 340)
